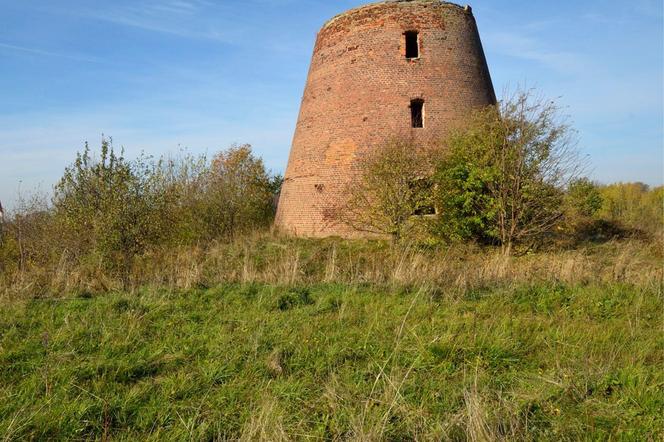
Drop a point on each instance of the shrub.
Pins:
(393, 186)
(504, 173)
(182, 181)
(581, 203)
(27, 235)
(467, 208)
(110, 207)
(583, 199)
(296, 297)
(239, 193)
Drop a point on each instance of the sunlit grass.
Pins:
(357, 361)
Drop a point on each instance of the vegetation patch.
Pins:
(294, 298)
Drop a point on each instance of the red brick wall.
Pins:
(358, 95)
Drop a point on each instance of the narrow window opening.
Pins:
(412, 44)
(417, 112)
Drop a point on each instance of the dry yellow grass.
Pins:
(269, 259)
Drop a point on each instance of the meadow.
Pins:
(273, 338)
(154, 300)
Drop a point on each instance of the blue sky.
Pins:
(159, 75)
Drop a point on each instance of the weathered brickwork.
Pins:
(358, 96)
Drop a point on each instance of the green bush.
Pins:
(601, 212)
(583, 199)
(239, 193)
(295, 297)
(390, 191)
(467, 211)
(505, 172)
(110, 207)
(28, 236)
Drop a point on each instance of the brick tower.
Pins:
(401, 68)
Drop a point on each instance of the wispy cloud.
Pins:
(188, 19)
(177, 7)
(35, 51)
(226, 22)
(518, 45)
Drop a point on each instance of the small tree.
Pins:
(392, 186)
(505, 173)
(582, 199)
(239, 193)
(179, 184)
(109, 206)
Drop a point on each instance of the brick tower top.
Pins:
(396, 69)
(379, 4)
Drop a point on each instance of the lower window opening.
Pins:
(417, 112)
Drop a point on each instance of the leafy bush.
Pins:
(467, 209)
(581, 203)
(110, 207)
(505, 172)
(27, 237)
(583, 199)
(239, 193)
(230, 196)
(295, 297)
(392, 188)
(600, 212)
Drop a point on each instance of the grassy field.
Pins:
(538, 360)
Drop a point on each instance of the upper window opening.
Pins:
(417, 112)
(412, 44)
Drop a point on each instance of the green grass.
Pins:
(263, 362)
